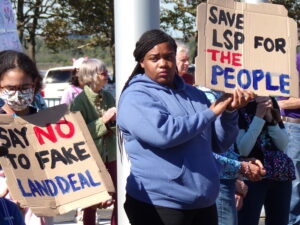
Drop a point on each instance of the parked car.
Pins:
(55, 81)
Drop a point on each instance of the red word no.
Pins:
(50, 134)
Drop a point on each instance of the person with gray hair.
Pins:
(182, 63)
(98, 110)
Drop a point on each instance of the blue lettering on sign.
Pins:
(63, 184)
(247, 79)
(52, 187)
(53, 191)
(216, 71)
(24, 193)
(73, 182)
(33, 188)
(269, 83)
(42, 187)
(91, 179)
(228, 77)
(258, 75)
(284, 83)
(83, 180)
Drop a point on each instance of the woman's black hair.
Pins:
(10, 60)
(146, 42)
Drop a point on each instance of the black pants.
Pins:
(140, 213)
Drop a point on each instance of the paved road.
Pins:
(103, 217)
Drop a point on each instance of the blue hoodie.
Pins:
(169, 137)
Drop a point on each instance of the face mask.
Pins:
(18, 100)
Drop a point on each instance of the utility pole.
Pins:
(132, 19)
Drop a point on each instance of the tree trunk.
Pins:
(33, 29)
(20, 20)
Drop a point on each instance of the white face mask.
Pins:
(18, 100)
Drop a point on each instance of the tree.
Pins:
(293, 7)
(31, 15)
(81, 24)
(180, 15)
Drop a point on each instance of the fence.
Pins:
(52, 101)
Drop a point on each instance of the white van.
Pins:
(55, 81)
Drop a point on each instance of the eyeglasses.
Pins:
(22, 88)
(103, 73)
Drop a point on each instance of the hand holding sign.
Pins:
(240, 99)
(263, 104)
(220, 105)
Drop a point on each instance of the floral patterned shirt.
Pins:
(229, 159)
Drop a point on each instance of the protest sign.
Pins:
(251, 46)
(52, 165)
(9, 39)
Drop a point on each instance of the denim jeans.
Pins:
(227, 214)
(274, 195)
(293, 151)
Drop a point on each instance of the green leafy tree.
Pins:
(293, 7)
(180, 15)
(81, 24)
(31, 14)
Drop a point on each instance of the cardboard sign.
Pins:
(52, 165)
(9, 39)
(251, 46)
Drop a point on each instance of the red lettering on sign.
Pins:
(61, 133)
(50, 134)
(225, 57)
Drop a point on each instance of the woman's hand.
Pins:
(238, 201)
(109, 115)
(263, 104)
(220, 105)
(241, 188)
(268, 115)
(253, 169)
(104, 205)
(240, 98)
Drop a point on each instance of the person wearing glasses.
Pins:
(97, 107)
(20, 81)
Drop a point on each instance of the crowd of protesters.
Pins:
(197, 156)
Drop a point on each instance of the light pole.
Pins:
(132, 19)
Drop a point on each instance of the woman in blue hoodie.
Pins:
(170, 131)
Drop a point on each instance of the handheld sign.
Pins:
(9, 39)
(251, 46)
(52, 165)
